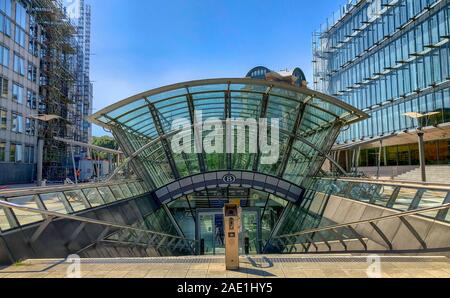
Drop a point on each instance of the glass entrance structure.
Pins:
(194, 184)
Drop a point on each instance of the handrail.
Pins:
(393, 183)
(52, 214)
(383, 218)
(59, 188)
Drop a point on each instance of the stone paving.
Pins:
(343, 266)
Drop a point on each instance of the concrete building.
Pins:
(390, 59)
(45, 87)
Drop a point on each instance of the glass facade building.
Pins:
(388, 58)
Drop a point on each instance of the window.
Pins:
(29, 154)
(4, 88)
(2, 151)
(19, 64)
(19, 37)
(16, 123)
(29, 127)
(16, 153)
(21, 15)
(4, 56)
(31, 99)
(32, 72)
(18, 93)
(5, 23)
(3, 119)
(5, 7)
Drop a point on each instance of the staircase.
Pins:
(435, 174)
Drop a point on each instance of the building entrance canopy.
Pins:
(309, 123)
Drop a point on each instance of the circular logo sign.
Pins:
(229, 179)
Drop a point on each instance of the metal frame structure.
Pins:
(142, 124)
(109, 229)
(291, 239)
(269, 184)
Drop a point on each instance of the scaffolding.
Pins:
(62, 83)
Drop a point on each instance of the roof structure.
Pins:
(309, 125)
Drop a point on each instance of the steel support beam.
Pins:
(414, 232)
(103, 234)
(382, 235)
(133, 154)
(197, 133)
(297, 124)
(262, 115)
(41, 229)
(165, 144)
(356, 234)
(228, 130)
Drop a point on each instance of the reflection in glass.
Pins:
(55, 202)
(24, 217)
(93, 196)
(76, 200)
(107, 195)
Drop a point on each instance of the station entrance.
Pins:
(210, 231)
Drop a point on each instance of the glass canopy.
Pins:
(309, 125)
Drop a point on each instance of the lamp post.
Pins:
(40, 146)
(420, 134)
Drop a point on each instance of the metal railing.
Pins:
(69, 199)
(158, 239)
(397, 196)
(306, 238)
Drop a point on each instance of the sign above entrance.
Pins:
(229, 179)
(236, 179)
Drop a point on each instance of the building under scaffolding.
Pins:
(46, 89)
(65, 90)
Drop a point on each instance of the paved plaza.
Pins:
(319, 266)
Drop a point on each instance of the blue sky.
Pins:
(139, 45)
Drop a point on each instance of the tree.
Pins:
(105, 142)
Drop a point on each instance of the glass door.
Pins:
(206, 232)
(249, 230)
(211, 231)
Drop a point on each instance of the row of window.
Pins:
(419, 74)
(17, 123)
(16, 153)
(398, 53)
(18, 64)
(392, 118)
(20, 21)
(67, 202)
(397, 14)
(384, 27)
(18, 93)
(436, 153)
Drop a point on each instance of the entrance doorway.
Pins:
(210, 231)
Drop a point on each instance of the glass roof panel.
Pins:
(129, 107)
(166, 95)
(284, 102)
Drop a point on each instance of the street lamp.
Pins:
(420, 134)
(40, 147)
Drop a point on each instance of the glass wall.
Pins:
(436, 153)
(388, 58)
(64, 202)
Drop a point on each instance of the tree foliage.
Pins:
(105, 142)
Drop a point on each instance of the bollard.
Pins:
(247, 245)
(202, 247)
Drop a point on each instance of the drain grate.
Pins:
(347, 259)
